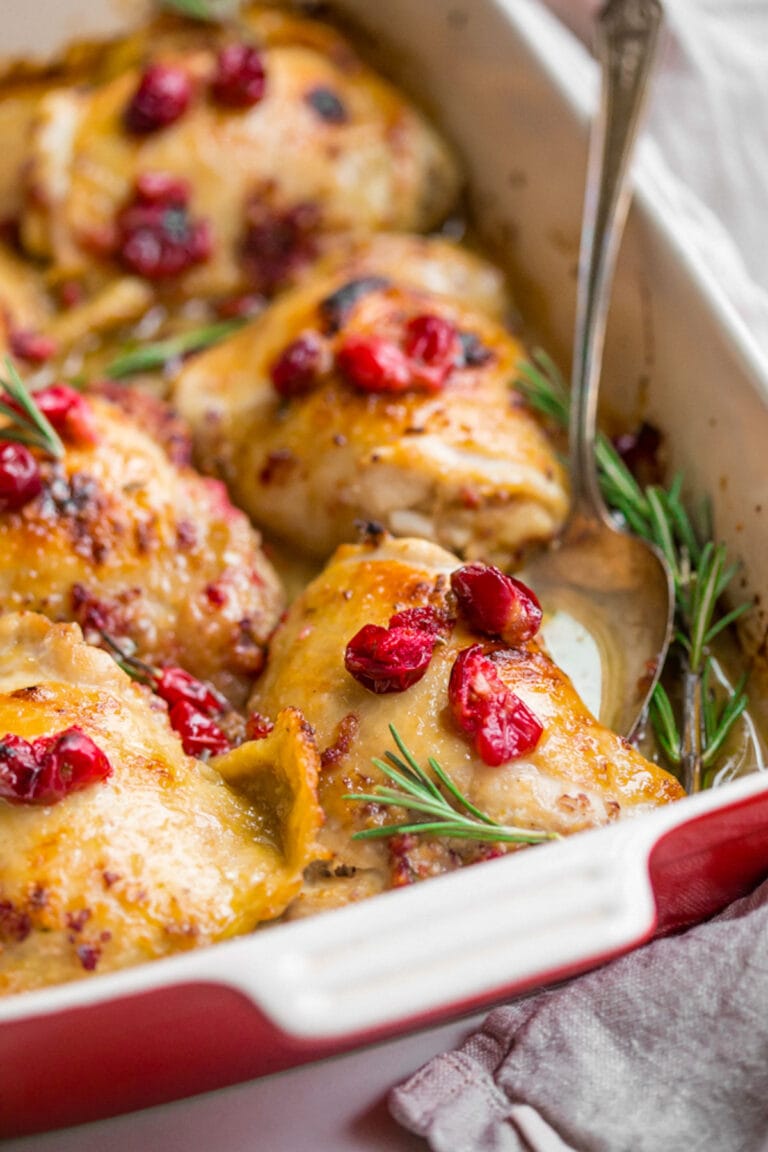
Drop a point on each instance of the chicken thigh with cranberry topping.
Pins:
(118, 537)
(116, 847)
(216, 160)
(397, 632)
(367, 398)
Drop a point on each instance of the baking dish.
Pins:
(508, 89)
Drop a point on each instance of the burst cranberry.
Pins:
(502, 726)
(278, 243)
(258, 727)
(162, 97)
(34, 347)
(298, 366)
(427, 619)
(20, 479)
(161, 188)
(474, 680)
(434, 347)
(240, 78)
(174, 684)
(71, 293)
(200, 736)
(373, 364)
(640, 450)
(69, 412)
(388, 659)
(18, 769)
(156, 236)
(51, 767)
(506, 730)
(70, 761)
(496, 604)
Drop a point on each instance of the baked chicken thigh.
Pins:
(368, 398)
(215, 160)
(115, 847)
(125, 541)
(395, 632)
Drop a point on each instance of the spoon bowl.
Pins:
(615, 587)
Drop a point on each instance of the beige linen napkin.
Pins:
(664, 1050)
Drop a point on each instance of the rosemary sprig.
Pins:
(700, 572)
(445, 815)
(27, 424)
(148, 357)
(194, 9)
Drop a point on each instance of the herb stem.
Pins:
(27, 424)
(701, 575)
(416, 791)
(149, 357)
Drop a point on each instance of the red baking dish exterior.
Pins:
(301, 991)
(169, 1030)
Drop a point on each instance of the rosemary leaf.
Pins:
(719, 724)
(726, 621)
(665, 725)
(149, 357)
(194, 9)
(416, 791)
(27, 424)
(460, 798)
(500, 833)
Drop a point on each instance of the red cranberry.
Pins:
(18, 769)
(502, 726)
(200, 736)
(298, 366)
(428, 619)
(70, 761)
(277, 244)
(640, 450)
(71, 293)
(388, 659)
(373, 364)
(473, 681)
(156, 237)
(162, 97)
(240, 78)
(496, 604)
(161, 188)
(258, 727)
(173, 684)
(51, 767)
(69, 412)
(243, 307)
(34, 347)
(506, 730)
(434, 347)
(20, 479)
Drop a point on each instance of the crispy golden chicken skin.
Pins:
(461, 463)
(125, 541)
(579, 775)
(159, 857)
(327, 147)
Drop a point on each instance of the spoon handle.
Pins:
(627, 32)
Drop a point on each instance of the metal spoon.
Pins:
(616, 586)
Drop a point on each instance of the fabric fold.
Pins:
(666, 1048)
